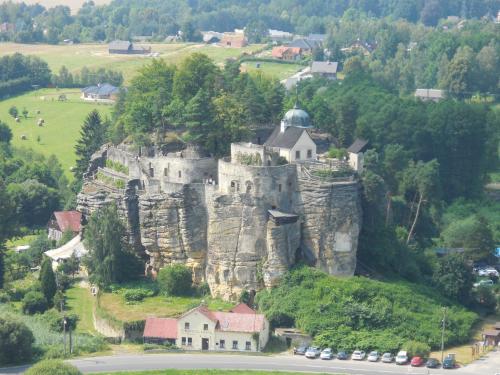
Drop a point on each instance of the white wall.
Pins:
(356, 161)
(304, 144)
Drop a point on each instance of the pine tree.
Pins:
(92, 136)
(7, 227)
(48, 280)
(199, 117)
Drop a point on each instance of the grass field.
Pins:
(76, 56)
(80, 302)
(63, 121)
(273, 70)
(114, 303)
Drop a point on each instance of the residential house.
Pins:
(287, 53)
(235, 40)
(7, 27)
(325, 69)
(62, 221)
(160, 331)
(356, 154)
(291, 139)
(62, 254)
(306, 46)
(211, 37)
(101, 93)
(430, 94)
(280, 36)
(359, 47)
(243, 329)
(124, 47)
(321, 38)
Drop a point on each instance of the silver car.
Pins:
(387, 358)
(313, 352)
(326, 354)
(373, 356)
(358, 355)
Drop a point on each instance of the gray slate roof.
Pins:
(324, 67)
(287, 139)
(101, 90)
(318, 37)
(122, 45)
(305, 44)
(358, 146)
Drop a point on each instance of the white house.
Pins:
(203, 329)
(291, 139)
(356, 154)
(66, 251)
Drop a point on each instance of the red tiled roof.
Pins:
(242, 308)
(231, 322)
(68, 220)
(162, 328)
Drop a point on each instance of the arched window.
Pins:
(249, 186)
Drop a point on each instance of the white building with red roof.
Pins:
(241, 329)
(62, 221)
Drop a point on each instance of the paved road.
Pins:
(137, 362)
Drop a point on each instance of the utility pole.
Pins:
(64, 329)
(443, 325)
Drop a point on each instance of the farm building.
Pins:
(325, 69)
(235, 40)
(100, 93)
(124, 47)
(430, 94)
(287, 53)
(62, 221)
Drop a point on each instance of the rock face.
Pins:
(239, 231)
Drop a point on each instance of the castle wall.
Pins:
(180, 170)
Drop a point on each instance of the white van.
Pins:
(402, 358)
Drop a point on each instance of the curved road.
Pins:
(141, 362)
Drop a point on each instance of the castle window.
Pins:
(180, 174)
(190, 341)
(222, 344)
(165, 172)
(186, 325)
(151, 172)
(309, 154)
(235, 344)
(297, 155)
(248, 345)
(269, 163)
(279, 188)
(183, 341)
(205, 327)
(248, 187)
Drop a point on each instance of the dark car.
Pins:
(449, 362)
(301, 350)
(432, 363)
(342, 355)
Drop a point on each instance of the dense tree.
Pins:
(453, 277)
(34, 302)
(48, 280)
(110, 257)
(175, 280)
(8, 227)
(92, 136)
(16, 341)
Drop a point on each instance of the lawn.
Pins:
(80, 302)
(204, 372)
(24, 240)
(271, 69)
(63, 121)
(76, 56)
(163, 306)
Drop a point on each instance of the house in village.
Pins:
(325, 69)
(105, 93)
(321, 38)
(307, 46)
(211, 37)
(235, 40)
(60, 255)
(359, 47)
(63, 221)
(286, 53)
(356, 154)
(434, 95)
(7, 27)
(278, 36)
(241, 329)
(124, 47)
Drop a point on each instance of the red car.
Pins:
(417, 361)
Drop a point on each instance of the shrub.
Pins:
(415, 348)
(175, 280)
(136, 295)
(55, 320)
(52, 367)
(34, 302)
(4, 297)
(16, 341)
(48, 280)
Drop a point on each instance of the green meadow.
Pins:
(63, 120)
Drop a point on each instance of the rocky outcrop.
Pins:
(224, 232)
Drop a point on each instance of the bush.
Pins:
(4, 297)
(52, 367)
(415, 348)
(34, 302)
(16, 341)
(175, 280)
(137, 295)
(55, 320)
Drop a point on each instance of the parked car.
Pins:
(417, 361)
(342, 354)
(373, 356)
(387, 358)
(313, 352)
(488, 271)
(358, 355)
(301, 350)
(449, 362)
(326, 354)
(402, 358)
(432, 363)
(483, 283)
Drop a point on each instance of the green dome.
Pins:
(297, 117)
